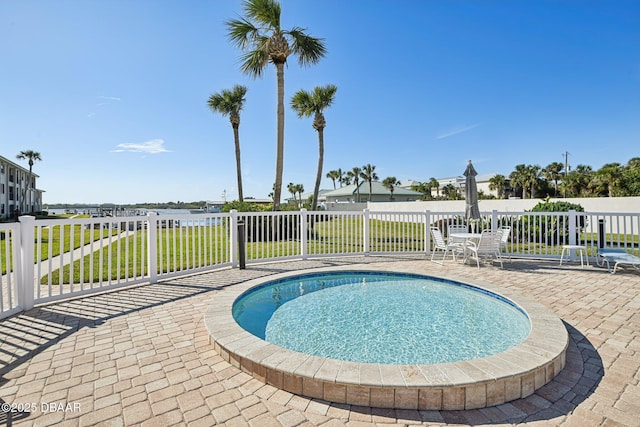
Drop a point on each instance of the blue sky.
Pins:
(113, 93)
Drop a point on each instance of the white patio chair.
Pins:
(441, 245)
(504, 239)
(488, 247)
(457, 228)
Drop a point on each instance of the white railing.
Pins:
(51, 259)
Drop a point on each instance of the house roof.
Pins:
(376, 188)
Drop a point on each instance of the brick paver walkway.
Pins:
(142, 356)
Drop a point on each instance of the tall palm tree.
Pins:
(354, 175)
(368, 174)
(498, 183)
(308, 103)
(390, 184)
(32, 156)
(553, 172)
(259, 34)
(230, 102)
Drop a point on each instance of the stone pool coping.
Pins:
(470, 384)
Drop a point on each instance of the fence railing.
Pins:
(51, 259)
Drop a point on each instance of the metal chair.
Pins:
(488, 247)
(441, 245)
(504, 239)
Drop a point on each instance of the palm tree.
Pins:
(32, 156)
(553, 172)
(292, 189)
(354, 174)
(299, 188)
(262, 39)
(611, 174)
(518, 178)
(498, 183)
(230, 102)
(577, 181)
(333, 175)
(368, 174)
(308, 103)
(532, 177)
(434, 183)
(390, 184)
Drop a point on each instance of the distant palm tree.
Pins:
(259, 34)
(368, 174)
(354, 175)
(333, 175)
(532, 178)
(611, 174)
(553, 172)
(434, 183)
(32, 156)
(498, 183)
(390, 184)
(230, 102)
(308, 103)
(292, 189)
(518, 179)
(299, 188)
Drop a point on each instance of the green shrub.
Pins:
(550, 229)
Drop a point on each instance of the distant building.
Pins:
(482, 181)
(379, 193)
(18, 192)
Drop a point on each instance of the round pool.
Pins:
(376, 317)
(294, 304)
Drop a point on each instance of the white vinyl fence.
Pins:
(51, 259)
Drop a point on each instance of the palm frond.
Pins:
(302, 103)
(254, 62)
(323, 96)
(308, 49)
(264, 12)
(241, 32)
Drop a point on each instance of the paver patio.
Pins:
(141, 356)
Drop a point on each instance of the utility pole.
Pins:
(566, 171)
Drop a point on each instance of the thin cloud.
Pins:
(456, 131)
(154, 146)
(106, 100)
(110, 98)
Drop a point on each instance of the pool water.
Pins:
(382, 318)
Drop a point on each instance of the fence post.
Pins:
(573, 229)
(152, 246)
(233, 238)
(366, 231)
(427, 232)
(24, 265)
(303, 233)
(494, 220)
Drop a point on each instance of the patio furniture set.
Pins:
(492, 245)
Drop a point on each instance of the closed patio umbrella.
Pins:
(471, 193)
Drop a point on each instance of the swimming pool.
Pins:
(373, 317)
(465, 384)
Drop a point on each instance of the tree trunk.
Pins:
(316, 189)
(236, 137)
(280, 138)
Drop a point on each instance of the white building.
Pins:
(18, 192)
